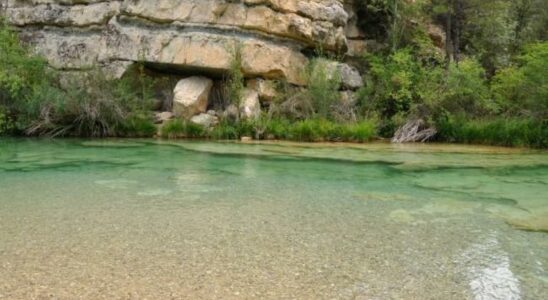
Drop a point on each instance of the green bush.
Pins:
(235, 81)
(466, 90)
(311, 130)
(318, 130)
(278, 128)
(523, 89)
(33, 102)
(20, 69)
(137, 126)
(224, 131)
(323, 83)
(21, 76)
(178, 128)
(91, 106)
(499, 131)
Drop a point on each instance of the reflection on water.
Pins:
(489, 272)
(157, 219)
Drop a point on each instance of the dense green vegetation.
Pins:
(481, 77)
(36, 100)
(310, 130)
(486, 83)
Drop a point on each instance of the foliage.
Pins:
(498, 131)
(33, 100)
(373, 17)
(178, 128)
(20, 69)
(465, 89)
(389, 83)
(522, 90)
(235, 81)
(90, 106)
(488, 86)
(323, 82)
(224, 131)
(137, 125)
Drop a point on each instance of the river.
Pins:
(135, 219)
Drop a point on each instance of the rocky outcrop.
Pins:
(348, 76)
(191, 96)
(187, 35)
(250, 106)
(205, 120)
(162, 117)
(266, 89)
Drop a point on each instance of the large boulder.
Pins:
(350, 76)
(250, 107)
(162, 117)
(191, 96)
(265, 88)
(231, 113)
(205, 120)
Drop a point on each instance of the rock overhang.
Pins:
(185, 34)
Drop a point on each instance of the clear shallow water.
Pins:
(146, 219)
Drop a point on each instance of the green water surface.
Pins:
(146, 219)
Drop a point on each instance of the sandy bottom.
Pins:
(138, 220)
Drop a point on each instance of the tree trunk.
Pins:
(459, 18)
(448, 30)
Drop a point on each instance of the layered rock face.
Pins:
(190, 35)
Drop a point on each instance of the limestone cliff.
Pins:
(183, 34)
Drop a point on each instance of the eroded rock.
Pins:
(161, 117)
(205, 120)
(181, 34)
(250, 107)
(265, 88)
(191, 96)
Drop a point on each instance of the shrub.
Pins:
(498, 131)
(178, 128)
(224, 131)
(137, 126)
(362, 131)
(91, 106)
(20, 69)
(389, 83)
(323, 83)
(20, 75)
(235, 81)
(34, 102)
(523, 89)
(278, 128)
(466, 90)
(316, 130)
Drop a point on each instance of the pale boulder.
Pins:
(265, 88)
(231, 113)
(349, 76)
(205, 120)
(191, 96)
(161, 117)
(250, 107)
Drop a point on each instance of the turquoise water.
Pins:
(134, 219)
